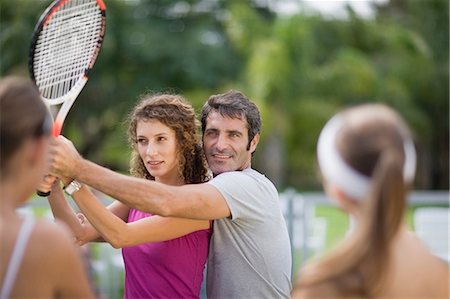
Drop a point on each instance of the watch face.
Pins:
(73, 187)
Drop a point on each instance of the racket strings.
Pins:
(66, 46)
(70, 50)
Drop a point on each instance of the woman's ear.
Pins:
(37, 148)
(347, 204)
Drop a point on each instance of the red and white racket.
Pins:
(65, 45)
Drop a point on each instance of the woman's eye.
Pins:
(141, 141)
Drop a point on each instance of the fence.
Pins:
(308, 233)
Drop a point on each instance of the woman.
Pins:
(367, 159)
(164, 257)
(29, 266)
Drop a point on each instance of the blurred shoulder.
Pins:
(51, 238)
(51, 229)
(312, 283)
(313, 291)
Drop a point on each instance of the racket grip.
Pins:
(43, 194)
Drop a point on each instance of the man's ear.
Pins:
(254, 143)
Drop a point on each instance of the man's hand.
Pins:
(65, 158)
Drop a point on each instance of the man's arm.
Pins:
(195, 201)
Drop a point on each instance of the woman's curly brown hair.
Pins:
(174, 112)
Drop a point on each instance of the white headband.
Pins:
(337, 171)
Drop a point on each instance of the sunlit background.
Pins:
(300, 61)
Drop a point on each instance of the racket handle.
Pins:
(43, 194)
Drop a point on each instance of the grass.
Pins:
(337, 226)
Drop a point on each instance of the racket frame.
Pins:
(69, 98)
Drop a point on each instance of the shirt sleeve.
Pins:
(242, 193)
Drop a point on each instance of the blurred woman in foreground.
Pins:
(37, 259)
(367, 159)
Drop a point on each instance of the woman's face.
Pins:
(157, 147)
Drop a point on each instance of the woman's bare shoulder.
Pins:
(48, 228)
(305, 288)
(439, 277)
(314, 291)
(51, 239)
(416, 268)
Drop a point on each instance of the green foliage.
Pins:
(299, 69)
(243, 25)
(311, 63)
(309, 115)
(349, 78)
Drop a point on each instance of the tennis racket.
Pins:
(65, 44)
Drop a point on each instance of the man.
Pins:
(250, 253)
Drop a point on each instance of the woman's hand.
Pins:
(46, 184)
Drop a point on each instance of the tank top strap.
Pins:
(16, 257)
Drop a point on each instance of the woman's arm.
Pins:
(82, 229)
(62, 211)
(121, 234)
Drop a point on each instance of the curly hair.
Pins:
(176, 113)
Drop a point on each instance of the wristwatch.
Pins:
(73, 187)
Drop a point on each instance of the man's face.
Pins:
(225, 143)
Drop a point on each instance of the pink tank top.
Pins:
(169, 269)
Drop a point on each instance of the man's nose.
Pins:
(221, 142)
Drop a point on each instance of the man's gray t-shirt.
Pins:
(250, 253)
